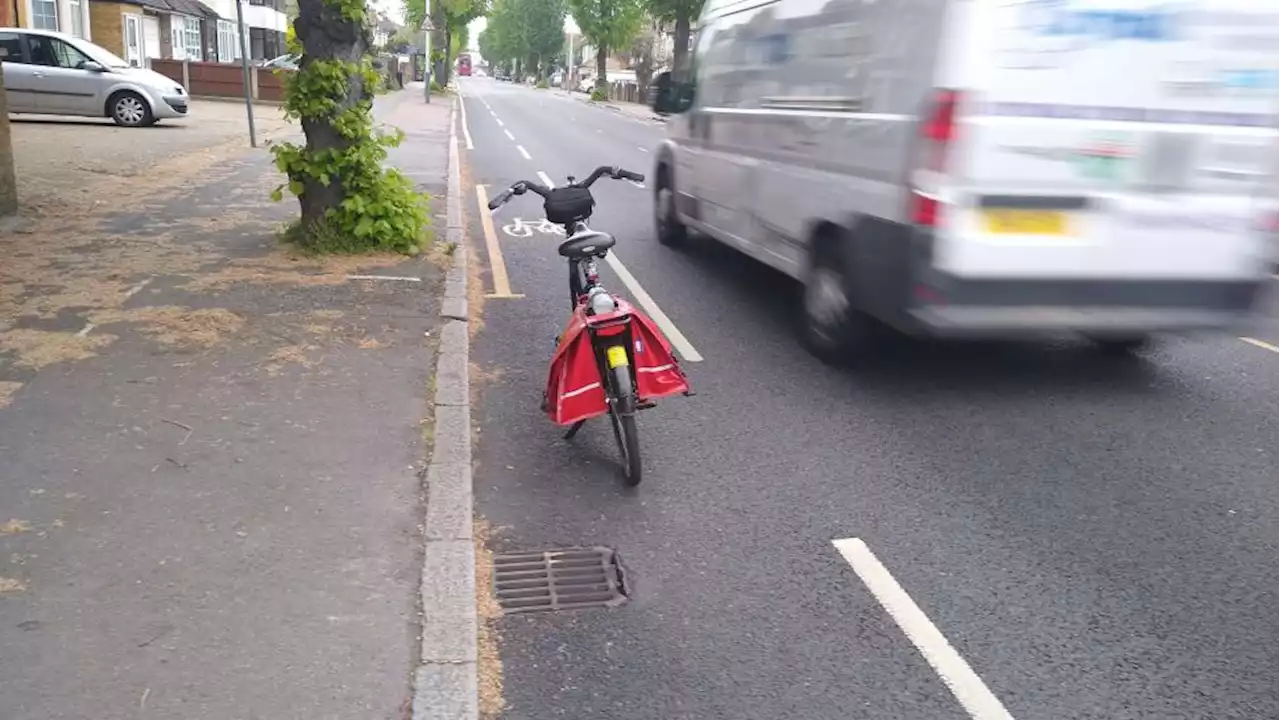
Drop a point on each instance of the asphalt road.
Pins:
(1095, 540)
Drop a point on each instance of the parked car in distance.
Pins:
(288, 61)
(51, 73)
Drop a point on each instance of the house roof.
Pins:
(194, 8)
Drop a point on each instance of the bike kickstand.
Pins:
(574, 429)
(689, 393)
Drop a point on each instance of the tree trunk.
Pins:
(326, 35)
(680, 53)
(438, 47)
(602, 57)
(8, 182)
(448, 56)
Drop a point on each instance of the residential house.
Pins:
(265, 21)
(68, 16)
(142, 30)
(384, 28)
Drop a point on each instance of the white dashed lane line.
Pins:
(524, 153)
(960, 679)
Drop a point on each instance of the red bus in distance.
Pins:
(464, 64)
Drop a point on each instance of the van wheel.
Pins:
(834, 329)
(1122, 346)
(671, 232)
(129, 109)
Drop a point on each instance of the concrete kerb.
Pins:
(445, 684)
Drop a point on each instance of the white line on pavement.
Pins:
(1264, 345)
(637, 184)
(677, 338)
(644, 149)
(136, 288)
(401, 278)
(88, 328)
(466, 130)
(523, 152)
(546, 179)
(499, 121)
(956, 674)
(509, 135)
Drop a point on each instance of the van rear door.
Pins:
(1120, 140)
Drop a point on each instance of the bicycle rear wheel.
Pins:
(622, 415)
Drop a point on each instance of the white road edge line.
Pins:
(401, 278)
(677, 338)
(499, 121)
(524, 152)
(462, 112)
(956, 674)
(546, 179)
(88, 328)
(509, 135)
(1264, 345)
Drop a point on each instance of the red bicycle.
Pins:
(611, 358)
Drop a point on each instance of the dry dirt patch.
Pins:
(38, 348)
(177, 326)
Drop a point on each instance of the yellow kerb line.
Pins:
(497, 266)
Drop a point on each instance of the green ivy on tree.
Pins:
(350, 202)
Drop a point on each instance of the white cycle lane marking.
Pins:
(520, 228)
(523, 153)
(466, 128)
(960, 679)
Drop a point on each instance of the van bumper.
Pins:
(998, 308)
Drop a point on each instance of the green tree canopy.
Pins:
(609, 25)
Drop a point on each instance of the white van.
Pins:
(984, 167)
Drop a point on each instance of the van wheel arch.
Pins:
(834, 325)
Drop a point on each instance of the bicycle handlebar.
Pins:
(520, 187)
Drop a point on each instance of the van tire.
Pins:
(838, 337)
(666, 220)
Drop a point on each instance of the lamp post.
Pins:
(427, 28)
(248, 84)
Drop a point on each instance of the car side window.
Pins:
(11, 47)
(54, 52)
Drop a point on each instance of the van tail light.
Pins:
(937, 132)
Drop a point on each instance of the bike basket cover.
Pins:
(568, 204)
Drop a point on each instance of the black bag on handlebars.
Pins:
(564, 205)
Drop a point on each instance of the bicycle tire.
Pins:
(622, 416)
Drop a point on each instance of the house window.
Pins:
(191, 44)
(44, 14)
(228, 42)
(257, 44)
(77, 17)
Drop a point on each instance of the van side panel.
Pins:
(810, 110)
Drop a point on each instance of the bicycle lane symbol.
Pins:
(519, 228)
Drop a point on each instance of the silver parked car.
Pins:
(52, 73)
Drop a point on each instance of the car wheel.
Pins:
(834, 329)
(671, 232)
(129, 109)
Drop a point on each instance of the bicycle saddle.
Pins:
(586, 244)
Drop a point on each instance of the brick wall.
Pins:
(212, 79)
(107, 21)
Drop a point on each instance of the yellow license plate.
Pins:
(1009, 221)
(617, 356)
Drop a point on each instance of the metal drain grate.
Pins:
(562, 579)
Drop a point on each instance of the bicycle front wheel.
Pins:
(622, 415)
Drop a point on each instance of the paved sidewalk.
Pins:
(635, 110)
(210, 450)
